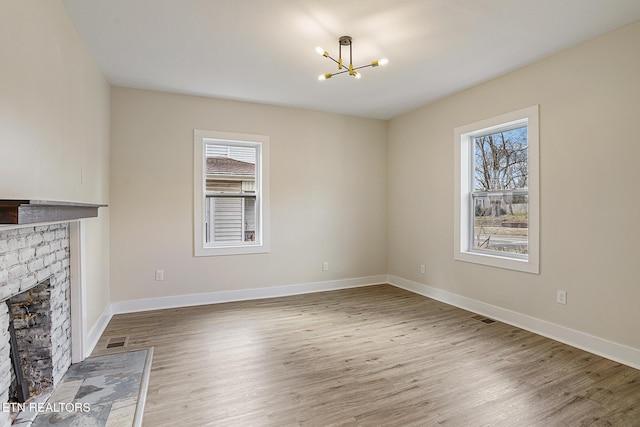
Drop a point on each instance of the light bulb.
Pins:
(357, 75)
(383, 61)
(324, 76)
(320, 51)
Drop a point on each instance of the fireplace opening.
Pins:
(31, 315)
(18, 387)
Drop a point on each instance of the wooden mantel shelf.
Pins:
(18, 212)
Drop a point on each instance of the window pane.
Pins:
(501, 160)
(501, 223)
(230, 169)
(230, 219)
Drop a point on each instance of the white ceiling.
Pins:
(263, 50)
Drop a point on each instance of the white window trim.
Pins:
(463, 138)
(262, 243)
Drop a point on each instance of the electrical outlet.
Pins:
(422, 268)
(159, 275)
(561, 297)
(325, 266)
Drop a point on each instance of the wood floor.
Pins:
(373, 356)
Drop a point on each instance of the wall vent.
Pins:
(484, 319)
(117, 342)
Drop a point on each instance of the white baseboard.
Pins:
(96, 331)
(176, 301)
(610, 350)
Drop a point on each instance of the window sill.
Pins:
(526, 266)
(231, 250)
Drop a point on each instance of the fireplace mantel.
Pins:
(18, 212)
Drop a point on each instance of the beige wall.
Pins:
(327, 183)
(589, 99)
(54, 124)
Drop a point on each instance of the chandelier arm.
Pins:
(362, 66)
(339, 72)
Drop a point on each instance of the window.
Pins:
(496, 200)
(231, 193)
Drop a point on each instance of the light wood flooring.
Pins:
(372, 356)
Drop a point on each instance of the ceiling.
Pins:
(263, 50)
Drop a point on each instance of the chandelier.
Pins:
(346, 41)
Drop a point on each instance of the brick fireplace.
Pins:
(34, 269)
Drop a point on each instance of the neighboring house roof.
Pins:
(226, 166)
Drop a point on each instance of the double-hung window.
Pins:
(231, 193)
(496, 197)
